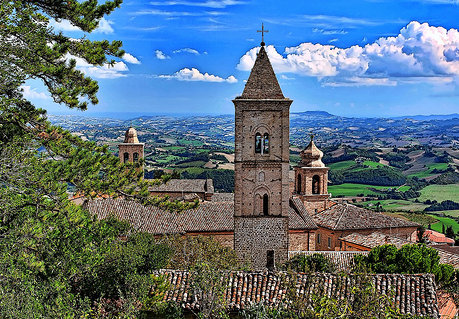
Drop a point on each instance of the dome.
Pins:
(311, 156)
(131, 136)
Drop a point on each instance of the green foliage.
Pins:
(409, 259)
(310, 263)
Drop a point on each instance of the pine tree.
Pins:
(56, 260)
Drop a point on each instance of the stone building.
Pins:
(212, 218)
(185, 189)
(311, 179)
(131, 150)
(261, 185)
(341, 220)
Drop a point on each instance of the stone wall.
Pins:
(255, 236)
(301, 240)
(130, 148)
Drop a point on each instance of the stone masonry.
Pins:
(261, 195)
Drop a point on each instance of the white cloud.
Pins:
(129, 58)
(65, 25)
(194, 74)
(31, 93)
(105, 26)
(161, 56)
(187, 50)
(100, 72)
(217, 4)
(419, 51)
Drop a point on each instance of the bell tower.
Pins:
(311, 179)
(130, 150)
(261, 193)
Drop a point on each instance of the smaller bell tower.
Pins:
(131, 150)
(311, 179)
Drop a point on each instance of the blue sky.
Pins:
(350, 58)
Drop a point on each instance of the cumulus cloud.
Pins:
(194, 74)
(31, 93)
(105, 26)
(161, 56)
(129, 58)
(106, 71)
(418, 51)
(187, 50)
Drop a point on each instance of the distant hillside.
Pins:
(428, 117)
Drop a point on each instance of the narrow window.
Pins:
(135, 157)
(318, 238)
(270, 259)
(261, 177)
(298, 186)
(316, 184)
(265, 204)
(266, 143)
(126, 157)
(258, 143)
(329, 242)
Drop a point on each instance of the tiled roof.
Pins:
(414, 294)
(375, 239)
(349, 217)
(298, 216)
(436, 237)
(378, 239)
(447, 257)
(223, 197)
(446, 305)
(208, 217)
(262, 82)
(185, 185)
(343, 260)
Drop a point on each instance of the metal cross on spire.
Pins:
(263, 31)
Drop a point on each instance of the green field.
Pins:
(372, 164)
(429, 168)
(350, 189)
(440, 193)
(445, 221)
(341, 165)
(452, 213)
(398, 205)
(188, 142)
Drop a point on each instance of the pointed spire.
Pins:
(262, 82)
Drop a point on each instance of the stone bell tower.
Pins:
(130, 150)
(261, 193)
(311, 179)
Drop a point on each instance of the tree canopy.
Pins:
(56, 260)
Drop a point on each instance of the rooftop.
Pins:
(262, 82)
(414, 294)
(208, 217)
(185, 185)
(131, 136)
(349, 217)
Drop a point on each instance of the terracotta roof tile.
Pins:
(375, 239)
(185, 185)
(348, 217)
(414, 294)
(378, 239)
(208, 217)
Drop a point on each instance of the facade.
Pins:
(131, 150)
(261, 192)
(311, 179)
